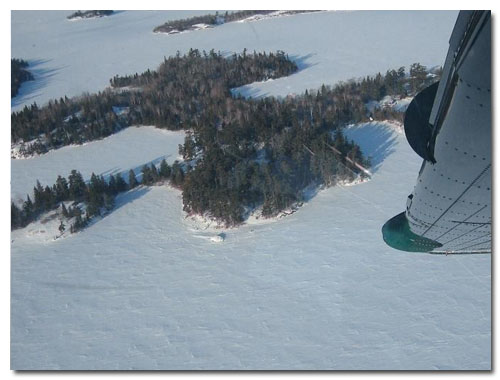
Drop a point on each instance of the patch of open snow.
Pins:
(402, 104)
(194, 27)
(46, 228)
(218, 238)
(197, 222)
(17, 149)
(118, 111)
(75, 115)
(42, 231)
(201, 26)
(394, 102)
(259, 17)
(387, 101)
(376, 140)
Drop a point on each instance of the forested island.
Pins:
(89, 14)
(18, 75)
(211, 20)
(238, 153)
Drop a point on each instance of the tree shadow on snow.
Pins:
(376, 140)
(137, 170)
(130, 196)
(302, 61)
(252, 90)
(121, 200)
(247, 91)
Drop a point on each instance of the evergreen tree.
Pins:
(78, 224)
(109, 202)
(177, 176)
(121, 185)
(418, 75)
(112, 186)
(38, 196)
(164, 169)
(62, 190)
(77, 187)
(146, 176)
(132, 181)
(48, 199)
(16, 218)
(96, 191)
(153, 172)
(93, 208)
(28, 209)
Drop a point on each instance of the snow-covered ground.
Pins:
(144, 288)
(395, 102)
(317, 290)
(260, 17)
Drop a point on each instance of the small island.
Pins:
(89, 14)
(212, 20)
(18, 75)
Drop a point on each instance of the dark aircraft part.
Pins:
(451, 201)
(417, 128)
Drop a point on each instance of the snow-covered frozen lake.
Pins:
(71, 57)
(140, 289)
(145, 289)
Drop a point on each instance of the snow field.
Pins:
(316, 290)
(144, 288)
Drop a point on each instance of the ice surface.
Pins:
(316, 290)
(319, 289)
